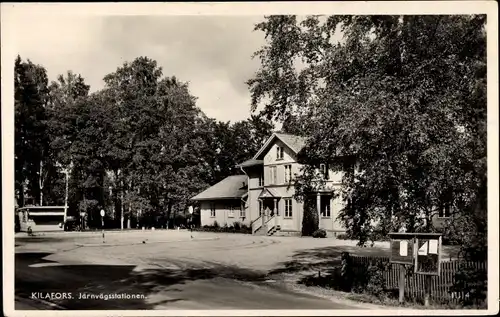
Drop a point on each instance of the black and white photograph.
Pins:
(274, 158)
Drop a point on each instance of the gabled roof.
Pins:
(231, 187)
(294, 142)
(268, 193)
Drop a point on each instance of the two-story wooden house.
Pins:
(269, 205)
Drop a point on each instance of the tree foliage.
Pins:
(31, 143)
(139, 148)
(402, 97)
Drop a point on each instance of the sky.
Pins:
(212, 53)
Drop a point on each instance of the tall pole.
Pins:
(427, 286)
(402, 277)
(102, 224)
(40, 181)
(191, 211)
(66, 196)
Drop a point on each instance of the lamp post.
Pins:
(191, 210)
(102, 224)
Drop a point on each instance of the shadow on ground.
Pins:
(323, 259)
(21, 240)
(322, 266)
(114, 279)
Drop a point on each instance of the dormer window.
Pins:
(279, 152)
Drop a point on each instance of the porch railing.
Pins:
(256, 224)
(271, 223)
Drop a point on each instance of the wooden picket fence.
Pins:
(415, 283)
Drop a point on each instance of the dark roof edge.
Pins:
(251, 162)
(217, 198)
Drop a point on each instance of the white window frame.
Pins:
(288, 208)
(279, 152)
(445, 211)
(243, 212)
(325, 212)
(212, 210)
(230, 214)
(288, 173)
(323, 169)
(261, 179)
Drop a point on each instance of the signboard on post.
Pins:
(428, 257)
(423, 250)
(402, 248)
(402, 253)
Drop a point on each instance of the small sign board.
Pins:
(428, 257)
(402, 248)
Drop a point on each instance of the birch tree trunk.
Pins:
(129, 214)
(139, 212)
(40, 182)
(122, 204)
(66, 196)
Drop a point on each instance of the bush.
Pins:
(237, 226)
(375, 279)
(346, 272)
(473, 282)
(310, 220)
(245, 229)
(362, 277)
(320, 233)
(342, 236)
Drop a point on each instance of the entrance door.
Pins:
(268, 207)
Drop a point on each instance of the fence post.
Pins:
(402, 280)
(427, 282)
